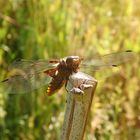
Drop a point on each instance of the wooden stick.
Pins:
(78, 105)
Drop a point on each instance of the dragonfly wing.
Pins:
(35, 65)
(27, 75)
(109, 60)
(23, 83)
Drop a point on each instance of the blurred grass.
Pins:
(53, 29)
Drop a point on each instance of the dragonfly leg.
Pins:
(75, 90)
(80, 89)
(85, 86)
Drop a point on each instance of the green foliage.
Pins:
(43, 29)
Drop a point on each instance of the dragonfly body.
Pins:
(61, 73)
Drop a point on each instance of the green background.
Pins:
(42, 29)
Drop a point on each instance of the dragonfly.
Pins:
(28, 75)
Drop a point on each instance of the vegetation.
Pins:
(43, 29)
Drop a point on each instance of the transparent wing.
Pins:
(109, 60)
(27, 75)
(24, 83)
(35, 65)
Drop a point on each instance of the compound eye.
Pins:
(69, 61)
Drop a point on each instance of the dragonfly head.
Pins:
(73, 62)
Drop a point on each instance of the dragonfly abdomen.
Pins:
(55, 85)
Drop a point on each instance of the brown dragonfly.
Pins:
(28, 75)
